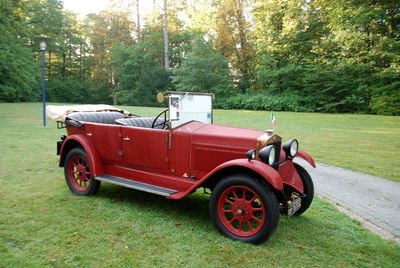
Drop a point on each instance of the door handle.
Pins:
(127, 139)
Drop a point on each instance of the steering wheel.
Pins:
(164, 123)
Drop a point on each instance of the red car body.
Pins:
(176, 162)
(201, 151)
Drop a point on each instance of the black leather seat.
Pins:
(145, 122)
(96, 117)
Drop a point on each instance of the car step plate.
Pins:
(136, 185)
(294, 206)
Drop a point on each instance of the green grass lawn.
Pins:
(43, 224)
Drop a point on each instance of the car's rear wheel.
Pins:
(308, 186)
(244, 208)
(78, 174)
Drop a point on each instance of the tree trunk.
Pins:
(138, 22)
(154, 11)
(63, 66)
(114, 89)
(166, 60)
(80, 60)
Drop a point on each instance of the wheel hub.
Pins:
(239, 211)
(242, 211)
(80, 170)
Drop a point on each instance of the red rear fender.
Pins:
(72, 141)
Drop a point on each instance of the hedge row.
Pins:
(264, 101)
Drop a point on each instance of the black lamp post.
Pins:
(42, 44)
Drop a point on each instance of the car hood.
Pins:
(212, 145)
(223, 136)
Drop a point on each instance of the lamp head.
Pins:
(42, 45)
(42, 41)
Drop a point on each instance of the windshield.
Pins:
(188, 106)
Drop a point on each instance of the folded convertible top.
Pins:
(59, 113)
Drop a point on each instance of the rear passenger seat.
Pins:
(96, 117)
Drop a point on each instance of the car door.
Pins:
(145, 148)
(107, 141)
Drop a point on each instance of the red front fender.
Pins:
(306, 157)
(288, 172)
(265, 171)
(72, 141)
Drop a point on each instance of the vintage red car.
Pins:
(252, 178)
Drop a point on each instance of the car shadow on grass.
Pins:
(186, 218)
(192, 206)
(193, 210)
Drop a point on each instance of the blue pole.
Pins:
(44, 91)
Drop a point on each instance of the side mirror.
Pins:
(160, 97)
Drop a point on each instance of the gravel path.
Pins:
(373, 199)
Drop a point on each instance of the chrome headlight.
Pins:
(267, 154)
(291, 147)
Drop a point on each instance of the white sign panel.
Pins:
(190, 107)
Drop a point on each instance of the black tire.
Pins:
(252, 222)
(308, 189)
(78, 175)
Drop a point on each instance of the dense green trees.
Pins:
(336, 52)
(138, 76)
(19, 75)
(193, 76)
(233, 40)
(301, 55)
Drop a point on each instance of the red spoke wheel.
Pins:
(244, 208)
(78, 174)
(241, 211)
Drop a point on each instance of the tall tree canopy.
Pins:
(18, 73)
(233, 39)
(302, 55)
(192, 76)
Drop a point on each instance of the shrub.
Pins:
(386, 104)
(287, 101)
(72, 91)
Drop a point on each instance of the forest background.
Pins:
(284, 55)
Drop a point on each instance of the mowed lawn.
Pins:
(43, 224)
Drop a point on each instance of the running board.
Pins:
(136, 185)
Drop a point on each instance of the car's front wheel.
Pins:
(78, 174)
(244, 208)
(308, 189)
